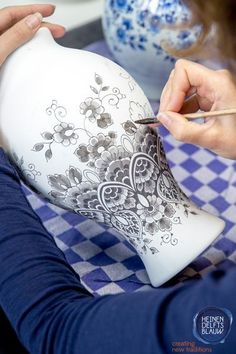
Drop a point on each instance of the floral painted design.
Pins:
(97, 145)
(28, 171)
(142, 27)
(70, 191)
(128, 190)
(113, 165)
(123, 180)
(151, 209)
(93, 109)
(65, 134)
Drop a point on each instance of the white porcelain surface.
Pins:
(67, 121)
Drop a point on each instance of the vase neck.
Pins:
(42, 38)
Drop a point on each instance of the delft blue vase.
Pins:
(137, 31)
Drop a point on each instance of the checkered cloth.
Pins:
(106, 263)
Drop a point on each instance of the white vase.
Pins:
(67, 121)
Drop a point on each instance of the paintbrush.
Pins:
(154, 120)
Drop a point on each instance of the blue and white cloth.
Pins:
(106, 263)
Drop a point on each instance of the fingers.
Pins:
(187, 78)
(190, 105)
(56, 30)
(186, 131)
(194, 103)
(13, 14)
(211, 90)
(164, 100)
(17, 35)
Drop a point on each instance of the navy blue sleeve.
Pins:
(52, 313)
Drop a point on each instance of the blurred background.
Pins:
(70, 13)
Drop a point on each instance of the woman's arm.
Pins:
(51, 312)
(44, 299)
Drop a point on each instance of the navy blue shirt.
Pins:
(51, 312)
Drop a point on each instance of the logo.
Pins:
(212, 325)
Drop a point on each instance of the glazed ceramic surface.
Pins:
(67, 122)
(137, 30)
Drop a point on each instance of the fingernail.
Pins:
(164, 119)
(34, 21)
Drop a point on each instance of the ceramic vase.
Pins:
(139, 31)
(67, 122)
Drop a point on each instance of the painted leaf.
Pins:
(98, 79)
(105, 88)
(38, 147)
(47, 135)
(94, 90)
(48, 154)
(75, 175)
(154, 250)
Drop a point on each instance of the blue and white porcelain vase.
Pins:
(137, 31)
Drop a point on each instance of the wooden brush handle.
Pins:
(210, 114)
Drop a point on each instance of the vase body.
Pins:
(67, 122)
(137, 31)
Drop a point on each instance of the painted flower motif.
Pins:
(146, 174)
(65, 134)
(151, 228)
(165, 223)
(155, 23)
(150, 209)
(92, 108)
(119, 198)
(121, 35)
(84, 196)
(104, 121)
(149, 186)
(146, 141)
(142, 17)
(72, 193)
(118, 171)
(97, 145)
(120, 5)
(115, 159)
(129, 127)
(82, 153)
